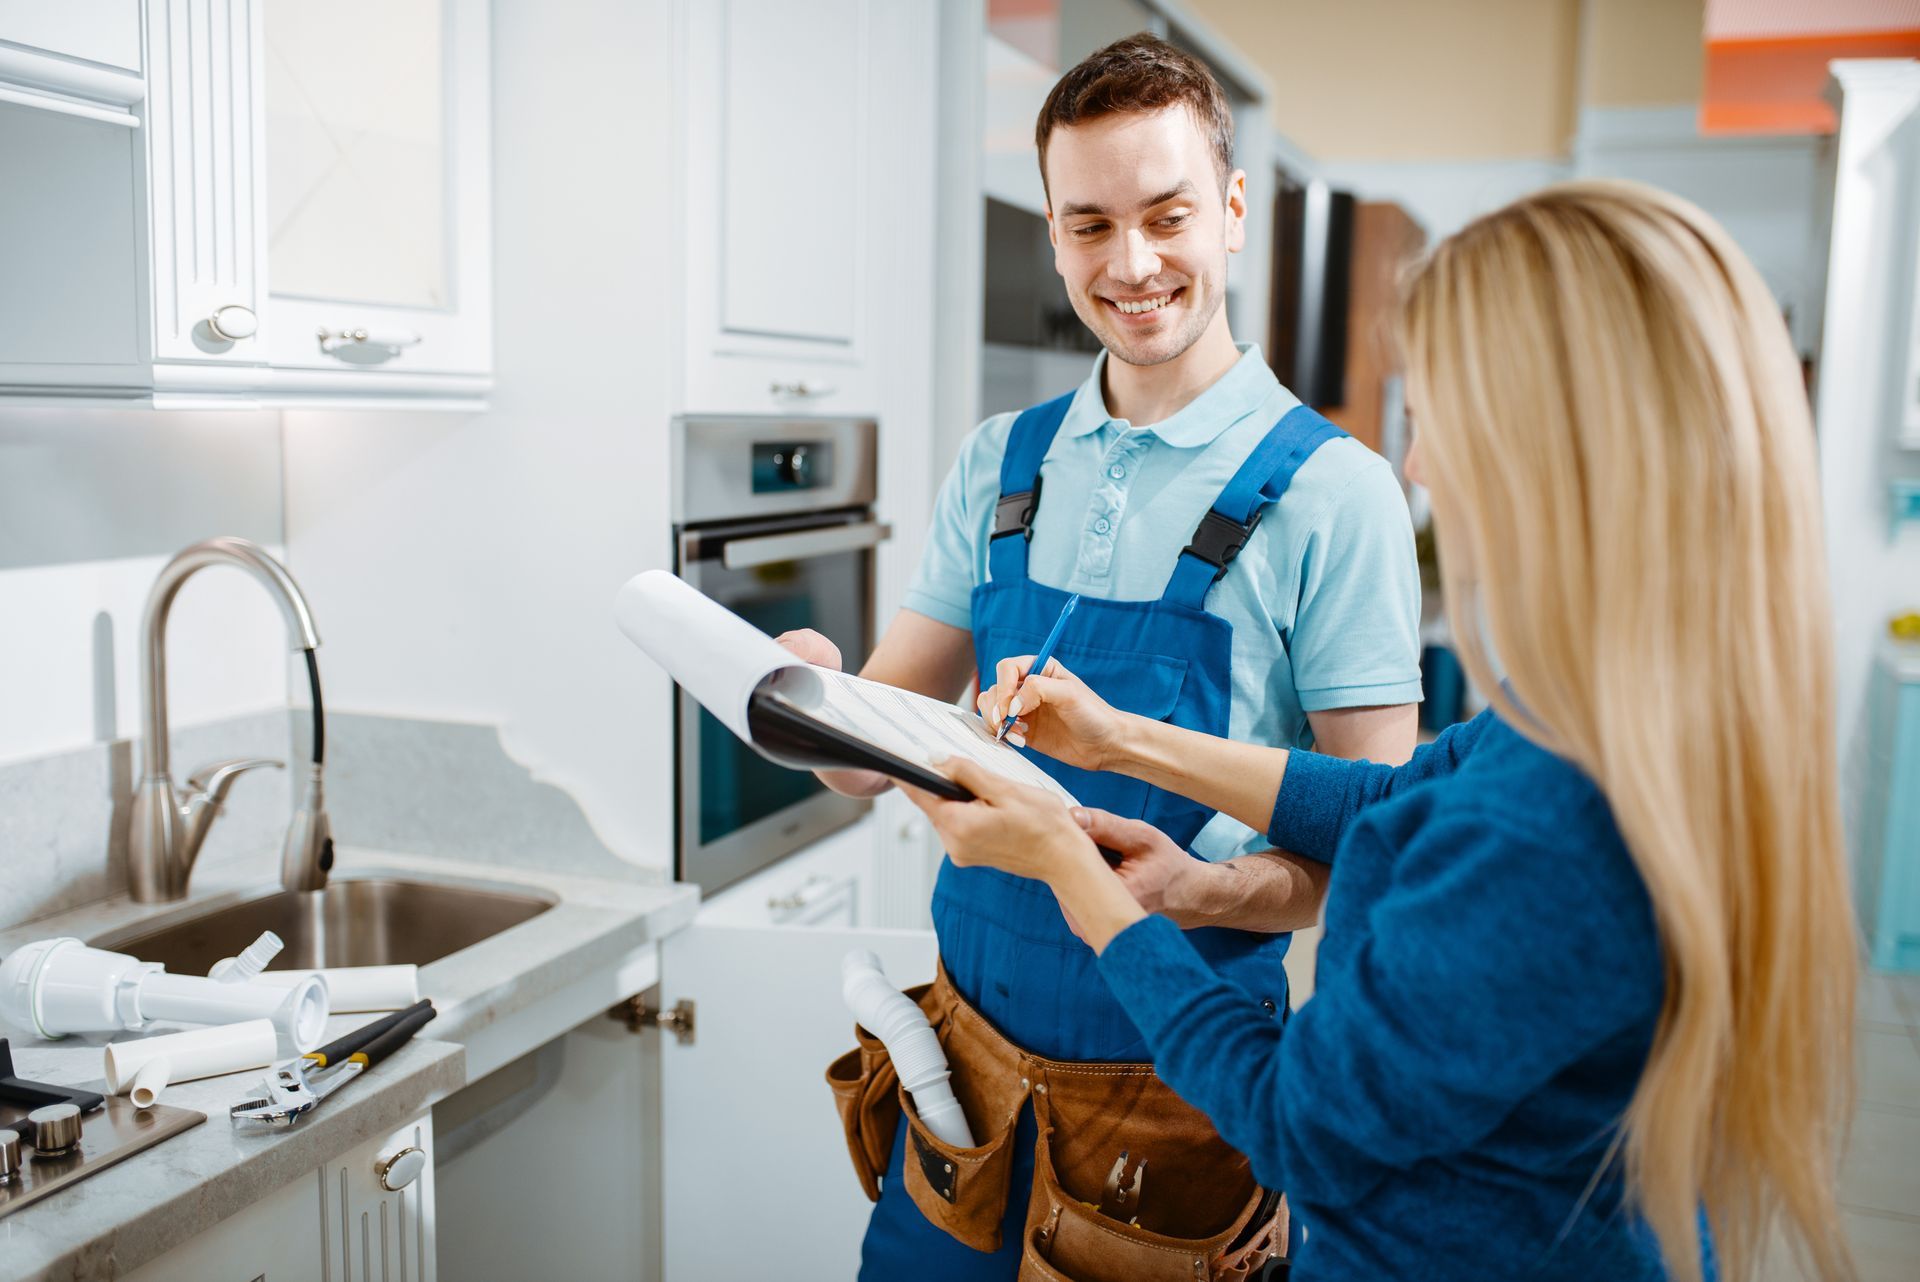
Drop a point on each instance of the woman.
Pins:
(1593, 949)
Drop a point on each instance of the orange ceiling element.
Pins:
(1766, 60)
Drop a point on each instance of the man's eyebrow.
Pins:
(1184, 188)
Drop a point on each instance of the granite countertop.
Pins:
(143, 1206)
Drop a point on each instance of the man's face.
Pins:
(1141, 229)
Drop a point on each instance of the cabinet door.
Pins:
(778, 169)
(755, 1178)
(379, 189)
(277, 1239)
(206, 189)
(370, 1231)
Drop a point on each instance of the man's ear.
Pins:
(1236, 211)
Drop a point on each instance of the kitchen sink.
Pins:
(371, 922)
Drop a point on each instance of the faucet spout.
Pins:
(166, 833)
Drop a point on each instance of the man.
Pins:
(1243, 567)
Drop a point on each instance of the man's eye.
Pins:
(1086, 230)
(1175, 220)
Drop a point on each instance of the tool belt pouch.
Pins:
(866, 1091)
(1193, 1213)
(964, 1190)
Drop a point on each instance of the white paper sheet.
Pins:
(716, 656)
(721, 659)
(922, 730)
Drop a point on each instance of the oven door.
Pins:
(738, 812)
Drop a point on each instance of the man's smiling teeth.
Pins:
(1144, 305)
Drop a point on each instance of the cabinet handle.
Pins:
(400, 1170)
(233, 323)
(802, 389)
(333, 340)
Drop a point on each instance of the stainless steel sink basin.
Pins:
(375, 922)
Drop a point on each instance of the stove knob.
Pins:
(56, 1127)
(9, 1157)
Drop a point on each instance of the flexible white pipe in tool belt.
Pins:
(891, 1015)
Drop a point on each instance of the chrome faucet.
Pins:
(167, 830)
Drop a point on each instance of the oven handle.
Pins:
(741, 554)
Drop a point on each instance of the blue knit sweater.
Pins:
(1485, 999)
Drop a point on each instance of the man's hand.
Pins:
(812, 647)
(1158, 874)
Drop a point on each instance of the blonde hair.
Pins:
(1624, 485)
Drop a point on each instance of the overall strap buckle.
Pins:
(1013, 514)
(1219, 538)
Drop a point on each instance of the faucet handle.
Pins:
(209, 784)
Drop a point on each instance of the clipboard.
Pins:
(782, 731)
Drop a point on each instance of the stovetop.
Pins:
(108, 1133)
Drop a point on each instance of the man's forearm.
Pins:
(1271, 891)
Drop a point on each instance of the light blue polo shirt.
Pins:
(1324, 599)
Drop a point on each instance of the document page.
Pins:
(912, 726)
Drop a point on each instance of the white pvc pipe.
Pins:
(144, 1068)
(891, 1015)
(61, 986)
(357, 988)
(300, 1012)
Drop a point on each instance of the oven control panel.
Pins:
(781, 467)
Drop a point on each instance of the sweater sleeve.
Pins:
(1474, 988)
(1319, 794)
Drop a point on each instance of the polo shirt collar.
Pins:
(1234, 395)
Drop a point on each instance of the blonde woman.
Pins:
(1584, 1001)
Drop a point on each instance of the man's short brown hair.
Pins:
(1140, 73)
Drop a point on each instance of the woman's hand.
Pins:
(1028, 833)
(1009, 826)
(1055, 712)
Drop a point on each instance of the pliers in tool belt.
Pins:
(297, 1086)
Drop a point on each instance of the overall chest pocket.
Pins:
(1148, 685)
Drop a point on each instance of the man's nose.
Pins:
(1135, 260)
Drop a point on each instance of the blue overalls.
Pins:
(1003, 941)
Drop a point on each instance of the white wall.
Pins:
(1764, 190)
(1869, 303)
(92, 504)
(477, 556)
(1442, 195)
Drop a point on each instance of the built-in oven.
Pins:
(773, 518)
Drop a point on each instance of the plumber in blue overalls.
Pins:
(1244, 567)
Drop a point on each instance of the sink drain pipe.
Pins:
(61, 986)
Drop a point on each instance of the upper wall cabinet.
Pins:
(245, 202)
(778, 162)
(378, 190)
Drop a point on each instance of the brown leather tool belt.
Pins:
(1131, 1184)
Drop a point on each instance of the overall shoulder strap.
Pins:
(1027, 445)
(1230, 522)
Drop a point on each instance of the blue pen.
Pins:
(1041, 660)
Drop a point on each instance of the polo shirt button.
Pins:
(1102, 525)
(1116, 471)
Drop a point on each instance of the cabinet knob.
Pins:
(801, 389)
(233, 323)
(401, 1169)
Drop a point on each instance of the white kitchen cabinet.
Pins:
(156, 189)
(786, 138)
(379, 195)
(335, 1224)
(744, 1104)
(205, 195)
